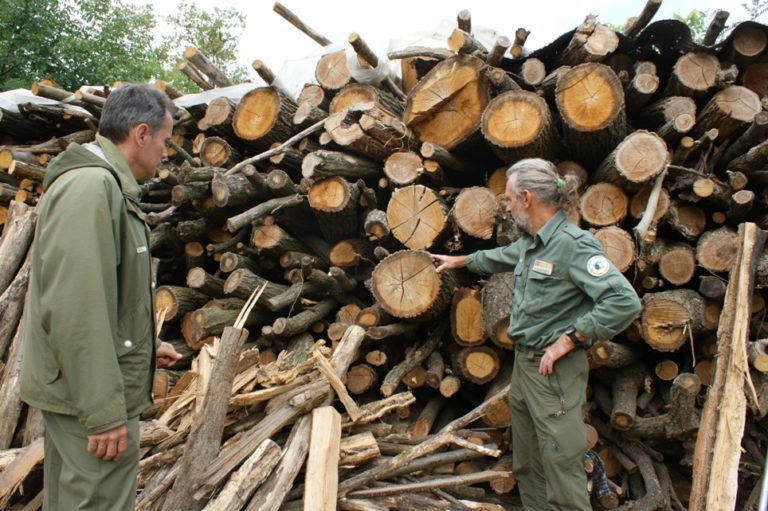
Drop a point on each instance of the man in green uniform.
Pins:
(89, 337)
(567, 294)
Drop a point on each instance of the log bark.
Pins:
(716, 458)
(345, 131)
(18, 231)
(730, 111)
(242, 283)
(426, 419)
(265, 208)
(334, 202)
(690, 221)
(177, 301)
(681, 419)
(747, 42)
(10, 399)
(497, 306)
(626, 385)
(322, 163)
(665, 111)
(498, 415)
(640, 90)
(614, 354)
(26, 171)
(203, 64)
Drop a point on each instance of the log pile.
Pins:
(355, 361)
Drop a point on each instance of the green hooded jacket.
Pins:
(89, 334)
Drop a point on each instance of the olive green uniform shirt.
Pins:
(562, 278)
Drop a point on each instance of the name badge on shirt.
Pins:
(543, 267)
(141, 249)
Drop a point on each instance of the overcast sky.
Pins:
(269, 37)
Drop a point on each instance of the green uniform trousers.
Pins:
(75, 479)
(549, 436)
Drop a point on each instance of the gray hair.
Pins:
(541, 178)
(131, 105)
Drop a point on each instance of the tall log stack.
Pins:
(327, 205)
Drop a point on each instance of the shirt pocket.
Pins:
(541, 293)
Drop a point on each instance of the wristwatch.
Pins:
(572, 335)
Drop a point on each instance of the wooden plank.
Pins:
(321, 484)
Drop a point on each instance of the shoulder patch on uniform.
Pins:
(598, 265)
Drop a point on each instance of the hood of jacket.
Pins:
(78, 156)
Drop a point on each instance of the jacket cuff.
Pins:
(471, 263)
(105, 419)
(585, 327)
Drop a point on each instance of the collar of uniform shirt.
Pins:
(548, 229)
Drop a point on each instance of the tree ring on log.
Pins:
(257, 113)
(416, 216)
(586, 97)
(618, 246)
(329, 195)
(475, 211)
(406, 283)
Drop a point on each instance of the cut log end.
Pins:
(416, 216)
(406, 283)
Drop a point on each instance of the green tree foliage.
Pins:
(697, 22)
(27, 30)
(75, 42)
(78, 42)
(215, 33)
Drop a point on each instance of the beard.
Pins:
(523, 222)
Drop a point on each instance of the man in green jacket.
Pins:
(90, 344)
(566, 295)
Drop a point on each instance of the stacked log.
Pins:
(326, 205)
